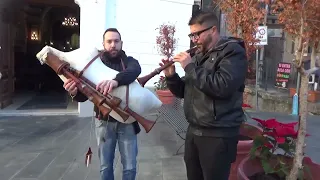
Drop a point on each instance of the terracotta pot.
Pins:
(165, 96)
(313, 96)
(249, 167)
(292, 91)
(244, 146)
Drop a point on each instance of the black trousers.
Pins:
(209, 158)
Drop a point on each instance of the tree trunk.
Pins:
(303, 105)
(297, 161)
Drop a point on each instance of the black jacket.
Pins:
(124, 77)
(212, 89)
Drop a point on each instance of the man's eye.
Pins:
(115, 41)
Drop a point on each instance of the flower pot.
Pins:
(165, 96)
(313, 96)
(292, 91)
(247, 134)
(249, 167)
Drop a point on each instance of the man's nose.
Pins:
(194, 40)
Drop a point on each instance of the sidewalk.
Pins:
(54, 147)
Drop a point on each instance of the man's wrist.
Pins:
(117, 82)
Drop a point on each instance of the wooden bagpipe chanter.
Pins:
(126, 103)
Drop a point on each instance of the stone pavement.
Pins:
(54, 147)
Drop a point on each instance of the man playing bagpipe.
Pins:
(108, 130)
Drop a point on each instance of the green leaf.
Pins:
(257, 142)
(265, 151)
(266, 166)
(284, 147)
(300, 174)
(285, 170)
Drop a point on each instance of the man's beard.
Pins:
(204, 47)
(113, 53)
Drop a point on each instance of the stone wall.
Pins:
(274, 101)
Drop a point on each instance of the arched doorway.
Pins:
(36, 86)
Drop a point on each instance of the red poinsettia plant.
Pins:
(275, 148)
(246, 106)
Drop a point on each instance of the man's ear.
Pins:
(214, 29)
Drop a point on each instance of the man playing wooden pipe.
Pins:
(212, 89)
(109, 131)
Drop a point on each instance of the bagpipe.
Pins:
(126, 103)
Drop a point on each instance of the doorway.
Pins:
(36, 86)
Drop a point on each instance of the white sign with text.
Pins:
(262, 35)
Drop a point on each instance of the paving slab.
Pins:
(54, 147)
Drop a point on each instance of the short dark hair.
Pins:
(204, 18)
(111, 30)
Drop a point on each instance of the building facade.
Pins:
(136, 22)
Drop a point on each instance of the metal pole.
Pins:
(298, 83)
(257, 76)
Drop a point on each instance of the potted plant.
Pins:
(271, 156)
(313, 95)
(247, 133)
(164, 94)
(166, 43)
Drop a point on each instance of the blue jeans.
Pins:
(108, 134)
